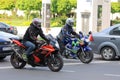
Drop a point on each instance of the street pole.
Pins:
(46, 14)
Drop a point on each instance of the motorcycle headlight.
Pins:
(55, 44)
(81, 42)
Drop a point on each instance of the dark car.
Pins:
(5, 44)
(107, 42)
(7, 28)
(5, 47)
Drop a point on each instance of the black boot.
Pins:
(31, 60)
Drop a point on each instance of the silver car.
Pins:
(107, 42)
(8, 28)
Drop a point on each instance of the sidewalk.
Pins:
(53, 31)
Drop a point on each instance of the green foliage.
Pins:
(73, 3)
(38, 5)
(7, 4)
(29, 5)
(34, 15)
(26, 23)
(54, 6)
(115, 7)
(58, 22)
(4, 16)
(16, 22)
(55, 22)
(63, 6)
(60, 7)
(115, 22)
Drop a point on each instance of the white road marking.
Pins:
(72, 64)
(6, 67)
(67, 71)
(112, 75)
(100, 62)
(96, 62)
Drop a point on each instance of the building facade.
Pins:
(93, 15)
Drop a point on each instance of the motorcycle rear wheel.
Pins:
(85, 57)
(17, 62)
(55, 62)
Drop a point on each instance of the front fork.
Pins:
(84, 49)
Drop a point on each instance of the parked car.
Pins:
(5, 47)
(7, 28)
(107, 42)
(8, 35)
(5, 44)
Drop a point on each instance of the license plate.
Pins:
(7, 48)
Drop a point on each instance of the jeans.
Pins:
(30, 47)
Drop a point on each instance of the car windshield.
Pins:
(107, 30)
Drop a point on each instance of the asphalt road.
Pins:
(73, 70)
(98, 69)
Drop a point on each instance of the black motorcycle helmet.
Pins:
(37, 22)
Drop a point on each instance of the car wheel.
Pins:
(108, 53)
(1, 58)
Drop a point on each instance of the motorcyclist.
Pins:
(30, 37)
(66, 32)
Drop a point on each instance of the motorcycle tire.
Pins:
(17, 62)
(55, 62)
(85, 57)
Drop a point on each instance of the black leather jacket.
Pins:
(32, 32)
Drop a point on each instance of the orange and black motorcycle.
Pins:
(44, 55)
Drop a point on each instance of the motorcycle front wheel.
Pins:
(55, 62)
(17, 62)
(85, 57)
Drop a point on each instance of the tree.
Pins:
(61, 7)
(7, 4)
(54, 7)
(64, 6)
(29, 5)
(73, 3)
(115, 7)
